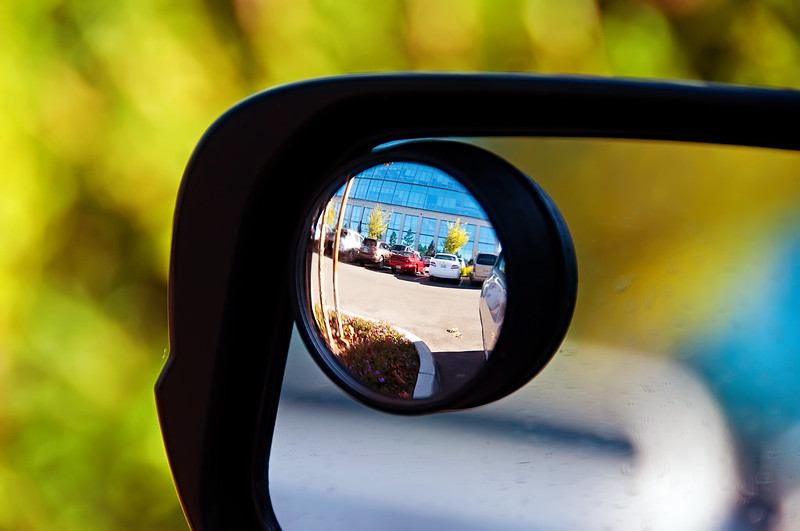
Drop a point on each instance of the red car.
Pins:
(407, 261)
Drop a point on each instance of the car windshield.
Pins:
(449, 257)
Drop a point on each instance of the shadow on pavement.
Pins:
(455, 368)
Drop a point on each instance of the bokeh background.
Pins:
(101, 104)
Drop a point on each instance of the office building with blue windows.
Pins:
(423, 203)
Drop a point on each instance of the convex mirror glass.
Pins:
(400, 255)
(420, 290)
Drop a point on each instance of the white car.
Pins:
(445, 266)
(349, 243)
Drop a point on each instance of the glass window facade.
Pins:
(466, 251)
(413, 185)
(393, 231)
(487, 240)
(410, 230)
(443, 230)
(427, 234)
(352, 216)
(422, 200)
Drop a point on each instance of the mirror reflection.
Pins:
(403, 281)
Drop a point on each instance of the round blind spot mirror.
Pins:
(404, 292)
(399, 256)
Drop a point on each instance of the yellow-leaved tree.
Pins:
(457, 237)
(377, 222)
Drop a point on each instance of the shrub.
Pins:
(377, 354)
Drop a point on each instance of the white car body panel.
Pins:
(602, 439)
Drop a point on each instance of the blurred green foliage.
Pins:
(101, 105)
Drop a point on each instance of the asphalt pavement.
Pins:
(443, 314)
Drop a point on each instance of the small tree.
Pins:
(330, 217)
(378, 222)
(393, 238)
(457, 237)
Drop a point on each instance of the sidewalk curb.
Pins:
(427, 383)
(426, 377)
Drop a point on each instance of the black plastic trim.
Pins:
(230, 304)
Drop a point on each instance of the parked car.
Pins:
(400, 247)
(482, 267)
(492, 305)
(349, 244)
(374, 252)
(445, 266)
(426, 260)
(407, 262)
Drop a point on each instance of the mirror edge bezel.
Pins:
(545, 242)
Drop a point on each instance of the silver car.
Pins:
(482, 267)
(492, 305)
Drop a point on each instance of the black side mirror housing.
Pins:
(230, 326)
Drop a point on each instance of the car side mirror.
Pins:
(385, 353)
(263, 178)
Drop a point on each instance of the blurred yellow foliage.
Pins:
(666, 233)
